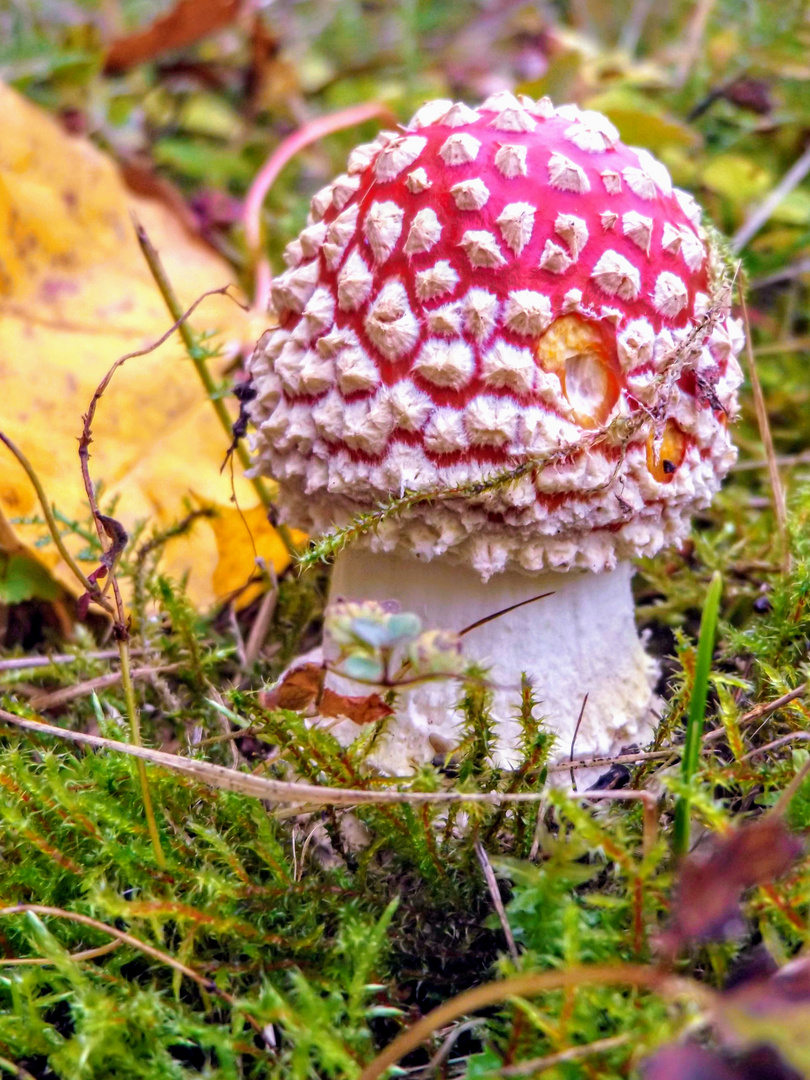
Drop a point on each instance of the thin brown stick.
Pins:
(29, 663)
(261, 624)
(795, 736)
(103, 526)
(57, 698)
(180, 321)
(780, 807)
(90, 588)
(784, 461)
(228, 736)
(538, 832)
(208, 985)
(574, 740)
(504, 611)
(760, 215)
(496, 993)
(43, 961)
(695, 33)
(779, 347)
(161, 279)
(759, 712)
(16, 1070)
(573, 1053)
(282, 791)
(620, 759)
(444, 1051)
(778, 492)
(649, 811)
(495, 893)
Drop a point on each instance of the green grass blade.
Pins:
(697, 708)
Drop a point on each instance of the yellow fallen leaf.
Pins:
(75, 294)
(736, 178)
(240, 539)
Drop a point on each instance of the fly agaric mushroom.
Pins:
(487, 287)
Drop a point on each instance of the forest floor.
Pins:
(190, 922)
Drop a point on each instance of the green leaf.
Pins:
(737, 178)
(23, 578)
(641, 124)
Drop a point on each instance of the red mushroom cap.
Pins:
(492, 284)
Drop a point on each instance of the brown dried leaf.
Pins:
(302, 691)
(752, 94)
(711, 882)
(298, 690)
(75, 294)
(187, 22)
(368, 709)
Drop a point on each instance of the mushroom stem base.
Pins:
(580, 640)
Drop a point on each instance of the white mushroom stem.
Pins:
(580, 640)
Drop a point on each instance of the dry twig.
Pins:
(778, 492)
(495, 893)
(495, 993)
(207, 985)
(792, 178)
(573, 1053)
(310, 133)
(42, 701)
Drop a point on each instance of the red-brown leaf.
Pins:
(302, 691)
(711, 881)
(185, 23)
(362, 710)
(299, 690)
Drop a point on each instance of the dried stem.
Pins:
(619, 759)
(573, 1053)
(695, 32)
(90, 587)
(792, 178)
(781, 806)
(495, 993)
(778, 492)
(265, 178)
(44, 961)
(198, 359)
(794, 736)
(102, 682)
(16, 1070)
(103, 527)
(495, 893)
(649, 810)
(283, 791)
(759, 712)
(261, 624)
(23, 663)
(208, 985)
(776, 348)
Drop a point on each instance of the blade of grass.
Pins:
(697, 709)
